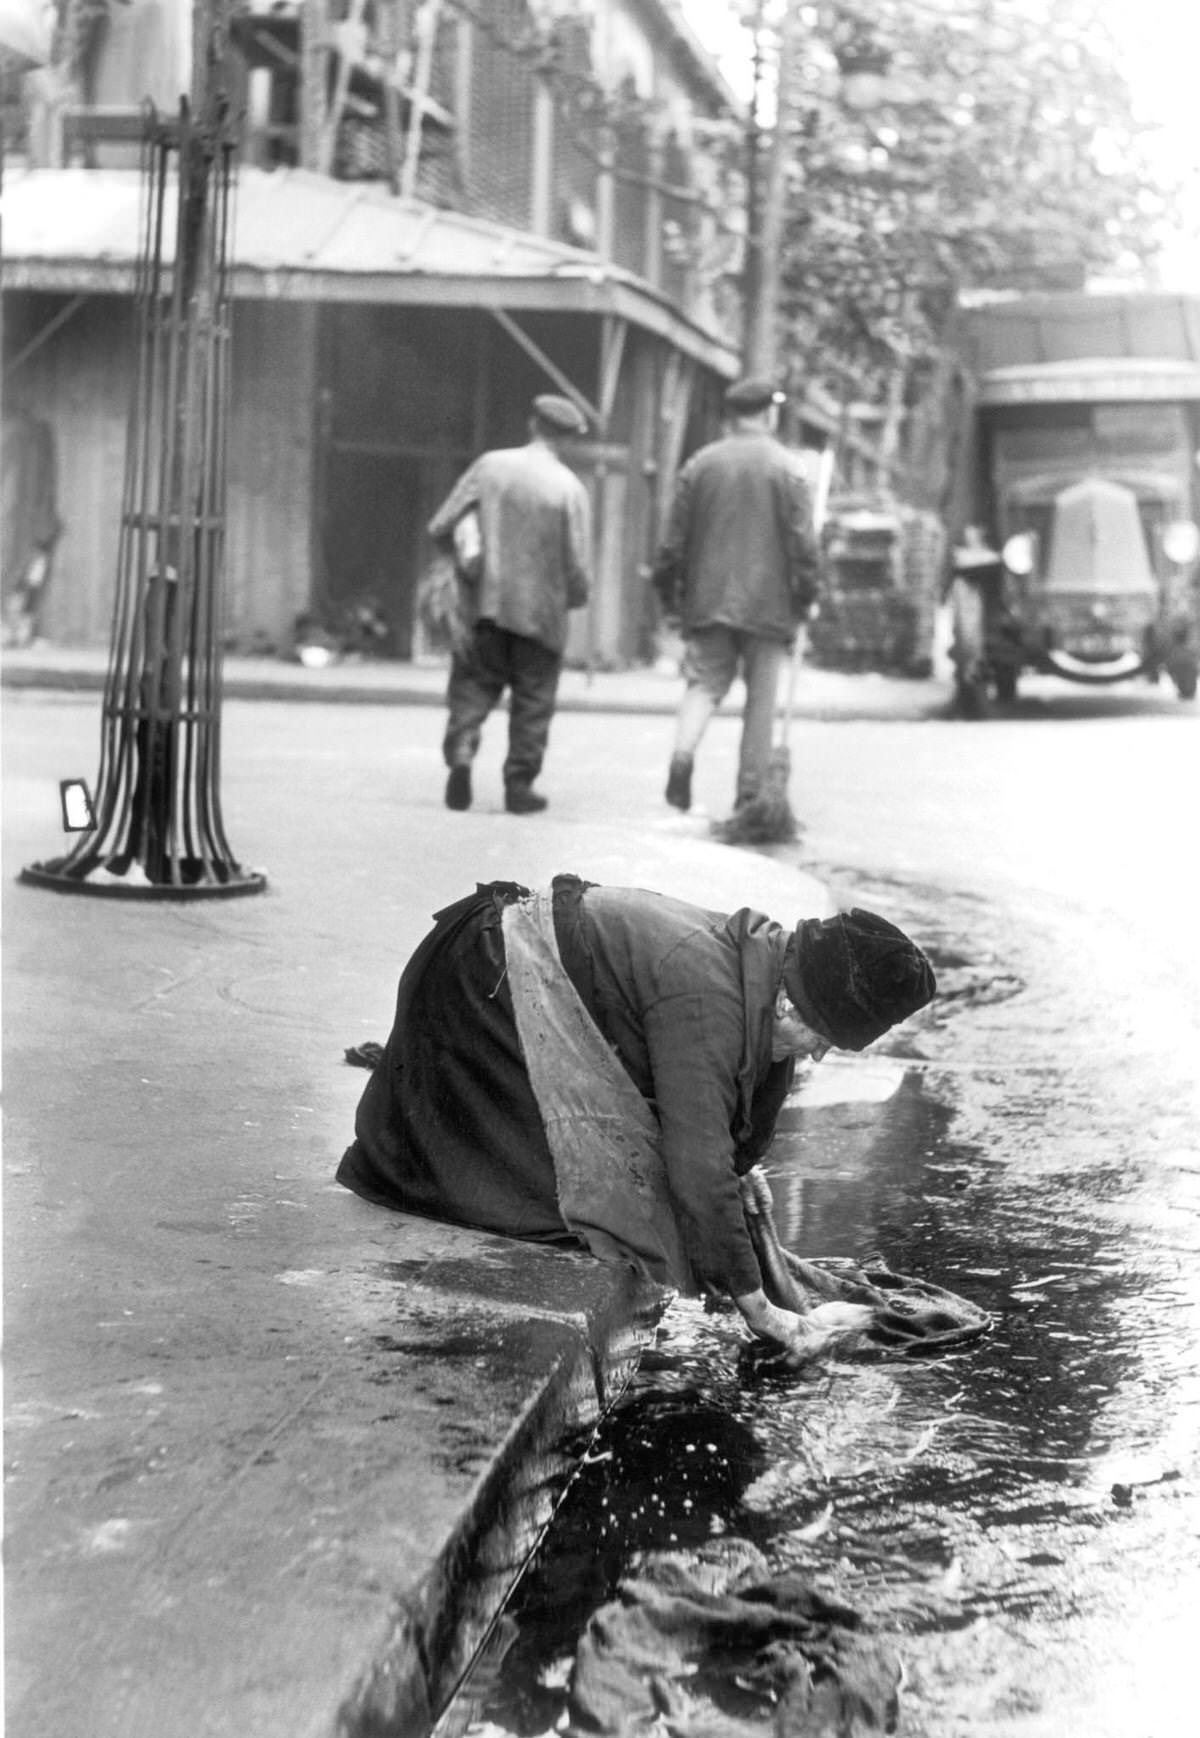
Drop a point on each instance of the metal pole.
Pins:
(158, 830)
(752, 268)
(762, 355)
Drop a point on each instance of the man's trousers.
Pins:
(713, 657)
(493, 661)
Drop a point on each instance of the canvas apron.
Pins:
(609, 1172)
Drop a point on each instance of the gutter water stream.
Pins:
(967, 1510)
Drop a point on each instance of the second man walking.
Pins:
(739, 568)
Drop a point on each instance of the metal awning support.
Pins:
(566, 386)
(612, 352)
(314, 96)
(678, 383)
(427, 20)
(332, 118)
(48, 330)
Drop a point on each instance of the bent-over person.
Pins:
(600, 1066)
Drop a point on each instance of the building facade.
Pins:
(442, 210)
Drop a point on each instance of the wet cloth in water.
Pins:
(603, 1136)
(764, 1653)
(851, 1301)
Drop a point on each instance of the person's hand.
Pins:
(803, 1337)
(823, 1328)
(755, 1191)
(770, 1321)
(668, 589)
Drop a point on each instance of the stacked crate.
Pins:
(925, 555)
(881, 576)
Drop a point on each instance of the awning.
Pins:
(305, 237)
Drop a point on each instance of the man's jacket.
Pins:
(740, 550)
(535, 520)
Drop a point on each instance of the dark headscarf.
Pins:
(852, 976)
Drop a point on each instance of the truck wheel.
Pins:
(1183, 671)
(1006, 684)
(970, 697)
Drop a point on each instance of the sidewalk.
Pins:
(820, 694)
(275, 1456)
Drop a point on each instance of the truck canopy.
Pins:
(1092, 380)
(1024, 331)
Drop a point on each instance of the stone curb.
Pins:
(427, 1643)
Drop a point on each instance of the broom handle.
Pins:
(824, 478)
(794, 662)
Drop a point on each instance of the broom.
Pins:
(767, 818)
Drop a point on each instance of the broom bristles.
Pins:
(766, 819)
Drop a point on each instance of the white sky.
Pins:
(1162, 41)
(1161, 46)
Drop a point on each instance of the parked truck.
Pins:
(1077, 512)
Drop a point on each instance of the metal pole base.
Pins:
(103, 884)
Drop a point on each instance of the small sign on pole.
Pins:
(78, 810)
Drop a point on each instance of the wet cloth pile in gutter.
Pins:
(694, 1653)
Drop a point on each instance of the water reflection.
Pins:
(854, 1179)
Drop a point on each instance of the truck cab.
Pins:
(1086, 496)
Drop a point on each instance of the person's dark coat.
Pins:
(739, 550)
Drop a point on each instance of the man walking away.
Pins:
(739, 568)
(535, 528)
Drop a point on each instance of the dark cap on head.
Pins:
(752, 395)
(852, 976)
(559, 413)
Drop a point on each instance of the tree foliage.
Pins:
(1004, 155)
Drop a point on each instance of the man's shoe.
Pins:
(520, 800)
(679, 782)
(458, 788)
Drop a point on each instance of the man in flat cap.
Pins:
(738, 568)
(533, 522)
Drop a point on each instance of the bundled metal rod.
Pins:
(159, 828)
